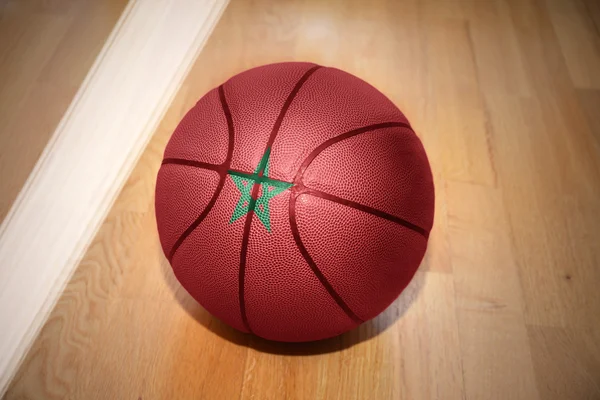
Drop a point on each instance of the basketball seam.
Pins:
(299, 189)
(363, 208)
(221, 169)
(313, 266)
(299, 186)
(313, 192)
(343, 136)
(191, 163)
(252, 204)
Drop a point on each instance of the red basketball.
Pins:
(294, 202)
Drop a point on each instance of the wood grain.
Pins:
(489, 303)
(46, 50)
(579, 41)
(503, 94)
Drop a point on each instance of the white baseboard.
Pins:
(91, 153)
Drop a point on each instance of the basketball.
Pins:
(294, 202)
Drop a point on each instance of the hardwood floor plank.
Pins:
(592, 9)
(548, 180)
(460, 115)
(590, 102)
(567, 363)
(489, 299)
(579, 41)
(498, 61)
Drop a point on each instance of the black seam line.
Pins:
(222, 169)
(192, 163)
(343, 136)
(313, 265)
(255, 188)
(260, 178)
(363, 208)
(303, 190)
(300, 189)
(283, 112)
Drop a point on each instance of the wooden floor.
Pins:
(505, 95)
(46, 50)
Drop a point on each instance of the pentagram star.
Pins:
(269, 188)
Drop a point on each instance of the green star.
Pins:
(245, 188)
(269, 189)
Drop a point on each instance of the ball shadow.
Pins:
(362, 333)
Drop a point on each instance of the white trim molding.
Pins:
(88, 159)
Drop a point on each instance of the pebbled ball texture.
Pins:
(294, 202)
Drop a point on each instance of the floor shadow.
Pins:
(364, 332)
